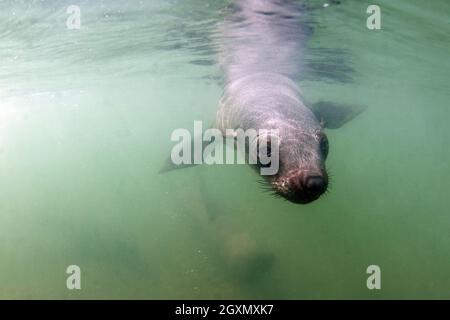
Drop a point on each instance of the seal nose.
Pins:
(302, 187)
(315, 186)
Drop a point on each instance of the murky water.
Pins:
(85, 123)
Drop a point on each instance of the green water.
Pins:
(85, 123)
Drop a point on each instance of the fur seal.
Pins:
(261, 47)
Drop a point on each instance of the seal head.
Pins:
(302, 177)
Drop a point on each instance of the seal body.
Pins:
(261, 46)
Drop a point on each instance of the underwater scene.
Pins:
(91, 93)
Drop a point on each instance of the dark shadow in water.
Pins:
(253, 267)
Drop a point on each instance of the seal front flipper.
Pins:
(170, 164)
(333, 115)
(191, 152)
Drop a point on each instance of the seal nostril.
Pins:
(315, 184)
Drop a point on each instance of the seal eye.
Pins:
(324, 146)
(266, 152)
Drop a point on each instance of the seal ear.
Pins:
(333, 115)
